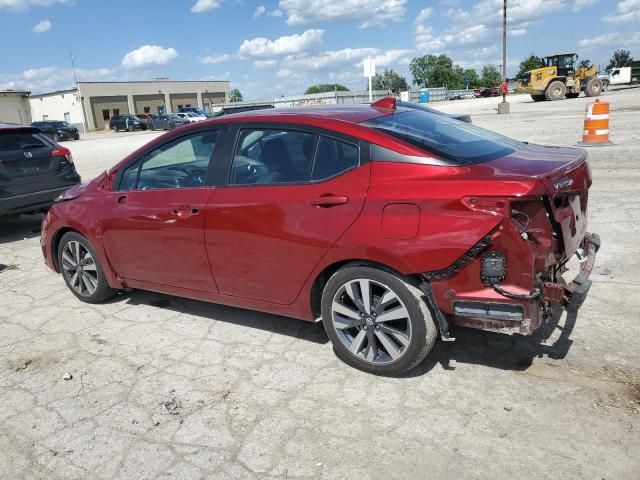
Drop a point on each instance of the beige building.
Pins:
(102, 100)
(14, 107)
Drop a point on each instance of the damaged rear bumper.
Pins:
(498, 310)
(572, 295)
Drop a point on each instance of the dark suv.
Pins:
(126, 122)
(57, 130)
(34, 170)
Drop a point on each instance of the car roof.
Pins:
(16, 127)
(346, 113)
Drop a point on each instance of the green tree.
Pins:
(490, 76)
(530, 63)
(326, 87)
(472, 76)
(389, 80)
(620, 58)
(235, 95)
(433, 71)
(586, 63)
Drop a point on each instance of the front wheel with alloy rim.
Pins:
(377, 320)
(81, 269)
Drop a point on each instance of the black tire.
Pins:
(76, 137)
(152, 126)
(420, 323)
(115, 129)
(102, 290)
(130, 128)
(172, 126)
(594, 87)
(538, 98)
(556, 90)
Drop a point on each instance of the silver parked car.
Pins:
(167, 121)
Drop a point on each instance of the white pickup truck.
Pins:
(620, 76)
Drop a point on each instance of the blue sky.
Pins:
(273, 47)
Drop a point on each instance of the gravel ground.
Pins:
(163, 387)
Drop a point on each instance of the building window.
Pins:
(105, 114)
(116, 111)
(45, 117)
(67, 117)
(147, 109)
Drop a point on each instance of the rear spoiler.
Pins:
(463, 117)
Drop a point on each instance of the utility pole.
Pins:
(73, 66)
(503, 107)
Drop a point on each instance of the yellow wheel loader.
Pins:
(561, 78)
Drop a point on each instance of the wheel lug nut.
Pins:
(361, 314)
(365, 327)
(377, 327)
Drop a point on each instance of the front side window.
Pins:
(182, 163)
(459, 142)
(273, 156)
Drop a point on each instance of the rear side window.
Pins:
(334, 157)
(459, 142)
(273, 156)
(11, 141)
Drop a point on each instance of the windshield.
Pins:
(457, 141)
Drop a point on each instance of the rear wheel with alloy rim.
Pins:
(81, 269)
(377, 320)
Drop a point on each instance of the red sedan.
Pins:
(388, 222)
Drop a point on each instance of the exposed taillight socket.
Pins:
(495, 205)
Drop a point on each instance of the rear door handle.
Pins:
(329, 200)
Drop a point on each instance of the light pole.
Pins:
(503, 107)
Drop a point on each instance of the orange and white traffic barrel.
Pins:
(596, 125)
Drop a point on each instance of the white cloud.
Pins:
(517, 32)
(148, 56)
(215, 58)
(365, 12)
(424, 14)
(284, 73)
(619, 39)
(205, 5)
(287, 45)
(626, 11)
(580, 4)
(265, 63)
(348, 58)
(276, 13)
(42, 26)
(26, 4)
(259, 11)
(46, 79)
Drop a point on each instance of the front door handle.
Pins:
(184, 211)
(329, 200)
(122, 199)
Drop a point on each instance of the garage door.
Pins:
(184, 99)
(103, 108)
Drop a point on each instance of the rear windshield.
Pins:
(19, 141)
(459, 142)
